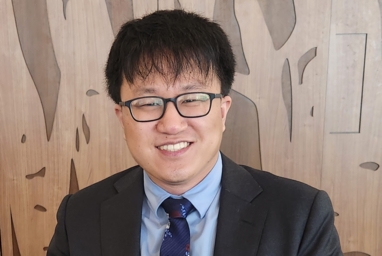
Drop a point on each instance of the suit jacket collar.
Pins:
(241, 217)
(121, 216)
(242, 212)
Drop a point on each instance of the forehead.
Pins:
(188, 81)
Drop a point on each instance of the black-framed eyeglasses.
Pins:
(189, 105)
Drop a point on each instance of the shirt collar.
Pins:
(201, 196)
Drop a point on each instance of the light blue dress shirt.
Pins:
(202, 221)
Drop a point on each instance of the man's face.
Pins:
(196, 141)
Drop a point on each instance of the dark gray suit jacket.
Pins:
(260, 214)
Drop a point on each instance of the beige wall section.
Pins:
(314, 155)
(355, 191)
(81, 44)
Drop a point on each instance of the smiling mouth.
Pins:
(174, 147)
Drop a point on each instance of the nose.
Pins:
(171, 122)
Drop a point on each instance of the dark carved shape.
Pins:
(241, 138)
(336, 214)
(1, 248)
(40, 173)
(73, 186)
(224, 13)
(36, 44)
(40, 208)
(120, 11)
(286, 84)
(370, 165)
(303, 62)
(45, 248)
(15, 244)
(356, 254)
(312, 111)
(91, 92)
(85, 129)
(23, 138)
(177, 5)
(280, 17)
(77, 141)
(64, 4)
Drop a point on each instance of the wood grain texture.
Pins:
(303, 62)
(86, 32)
(370, 165)
(23, 138)
(166, 4)
(356, 254)
(64, 5)
(36, 43)
(345, 83)
(77, 140)
(224, 14)
(85, 129)
(40, 173)
(280, 18)
(355, 192)
(120, 11)
(1, 247)
(380, 11)
(286, 86)
(177, 4)
(241, 139)
(81, 43)
(91, 92)
(73, 186)
(40, 208)
(15, 244)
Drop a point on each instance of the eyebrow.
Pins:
(144, 90)
(194, 86)
(152, 89)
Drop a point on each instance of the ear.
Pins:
(225, 106)
(119, 114)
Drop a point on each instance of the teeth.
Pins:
(174, 147)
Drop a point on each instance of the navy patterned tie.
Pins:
(176, 240)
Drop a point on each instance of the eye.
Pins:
(189, 100)
(193, 98)
(147, 102)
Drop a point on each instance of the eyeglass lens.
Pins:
(188, 105)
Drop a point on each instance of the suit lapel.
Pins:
(242, 212)
(121, 216)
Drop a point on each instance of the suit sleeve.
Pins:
(320, 235)
(59, 245)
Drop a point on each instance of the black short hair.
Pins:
(165, 41)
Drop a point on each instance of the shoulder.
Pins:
(275, 190)
(295, 199)
(277, 184)
(106, 188)
(269, 183)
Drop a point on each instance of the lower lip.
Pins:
(175, 153)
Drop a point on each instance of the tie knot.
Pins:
(177, 208)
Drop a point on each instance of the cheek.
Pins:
(138, 134)
(211, 126)
(219, 120)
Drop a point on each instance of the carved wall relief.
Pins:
(36, 44)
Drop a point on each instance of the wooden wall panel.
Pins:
(345, 83)
(264, 87)
(356, 191)
(290, 134)
(81, 43)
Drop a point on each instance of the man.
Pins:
(170, 74)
